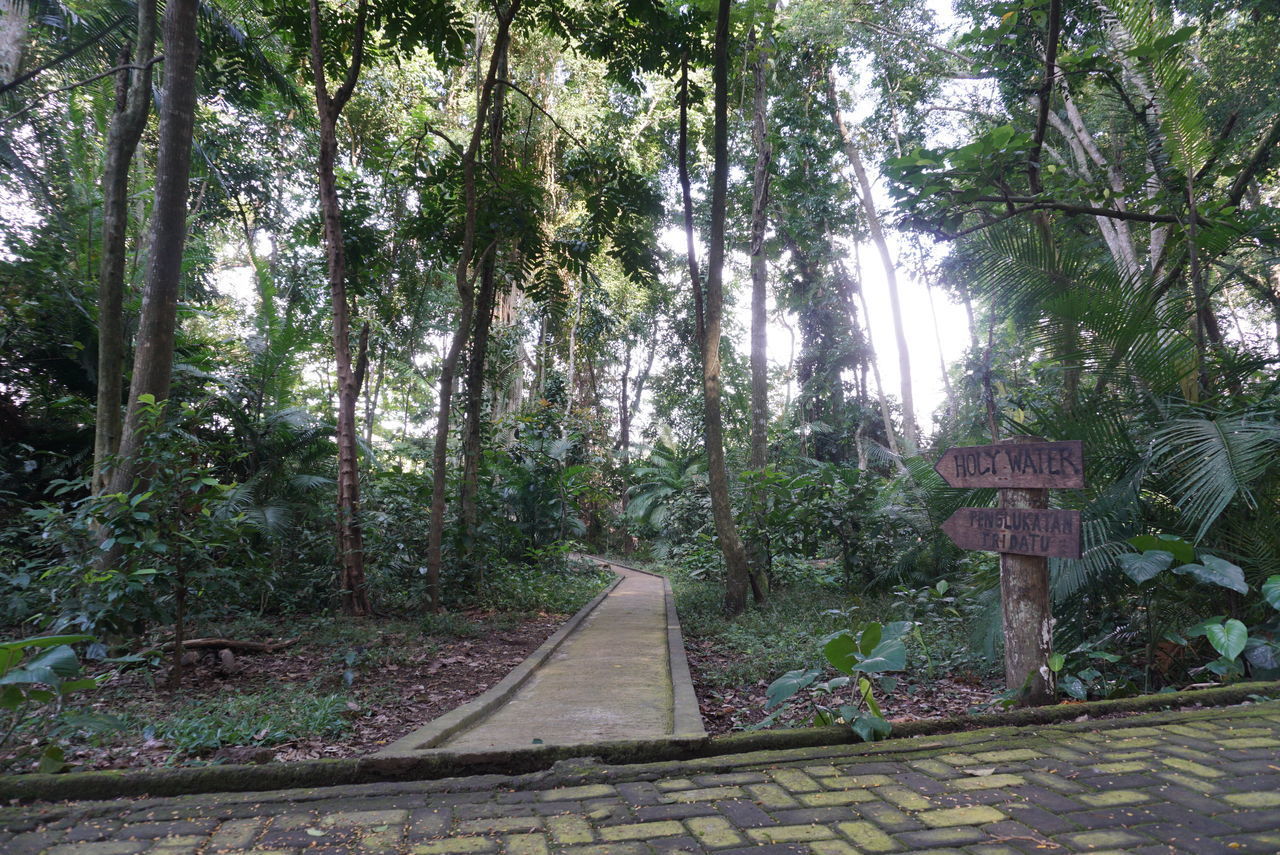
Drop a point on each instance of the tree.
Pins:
(910, 434)
(153, 354)
(351, 581)
(737, 570)
(129, 118)
(762, 46)
(465, 285)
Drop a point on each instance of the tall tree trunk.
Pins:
(350, 536)
(686, 196)
(910, 435)
(153, 355)
(482, 323)
(466, 296)
(737, 574)
(759, 548)
(133, 104)
(886, 417)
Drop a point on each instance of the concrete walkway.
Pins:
(1201, 782)
(610, 679)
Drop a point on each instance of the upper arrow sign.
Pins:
(1045, 465)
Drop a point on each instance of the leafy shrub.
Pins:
(559, 590)
(862, 655)
(35, 674)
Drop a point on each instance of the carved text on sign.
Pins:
(1043, 465)
(1049, 533)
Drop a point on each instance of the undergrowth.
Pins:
(288, 714)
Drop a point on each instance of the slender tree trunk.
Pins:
(910, 435)
(466, 296)
(133, 104)
(153, 355)
(482, 323)
(686, 195)
(759, 549)
(885, 416)
(737, 574)
(942, 360)
(350, 536)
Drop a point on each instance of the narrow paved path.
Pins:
(611, 679)
(1202, 782)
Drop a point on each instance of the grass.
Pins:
(291, 712)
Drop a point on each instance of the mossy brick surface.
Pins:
(980, 792)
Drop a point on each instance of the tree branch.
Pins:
(348, 86)
(110, 71)
(1255, 162)
(1046, 93)
(1034, 204)
(539, 108)
(62, 57)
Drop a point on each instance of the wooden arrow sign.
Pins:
(1049, 533)
(1032, 465)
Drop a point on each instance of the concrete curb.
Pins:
(549, 766)
(438, 730)
(686, 715)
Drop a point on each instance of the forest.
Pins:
(333, 333)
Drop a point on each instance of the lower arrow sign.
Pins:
(1050, 533)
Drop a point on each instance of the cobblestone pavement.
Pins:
(1200, 782)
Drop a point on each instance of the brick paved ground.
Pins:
(1200, 782)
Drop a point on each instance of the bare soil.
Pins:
(401, 679)
(726, 709)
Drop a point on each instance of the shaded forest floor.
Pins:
(727, 708)
(344, 688)
(733, 662)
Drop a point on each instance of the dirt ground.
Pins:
(916, 697)
(399, 680)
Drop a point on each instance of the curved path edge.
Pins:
(460, 718)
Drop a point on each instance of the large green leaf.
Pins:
(1271, 591)
(887, 656)
(1216, 571)
(1228, 638)
(869, 638)
(1183, 551)
(788, 684)
(1144, 567)
(841, 650)
(871, 727)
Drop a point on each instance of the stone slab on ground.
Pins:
(1201, 782)
(610, 679)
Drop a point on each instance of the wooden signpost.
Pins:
(1026, 533)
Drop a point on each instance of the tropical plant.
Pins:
(35, 674)
(862, 654)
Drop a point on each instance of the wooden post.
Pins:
(1028, 613)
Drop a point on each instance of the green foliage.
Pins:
(861, 654)
(556, 588)
(35, 674)
(118, 561)
(249, 719)
(450, 625)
